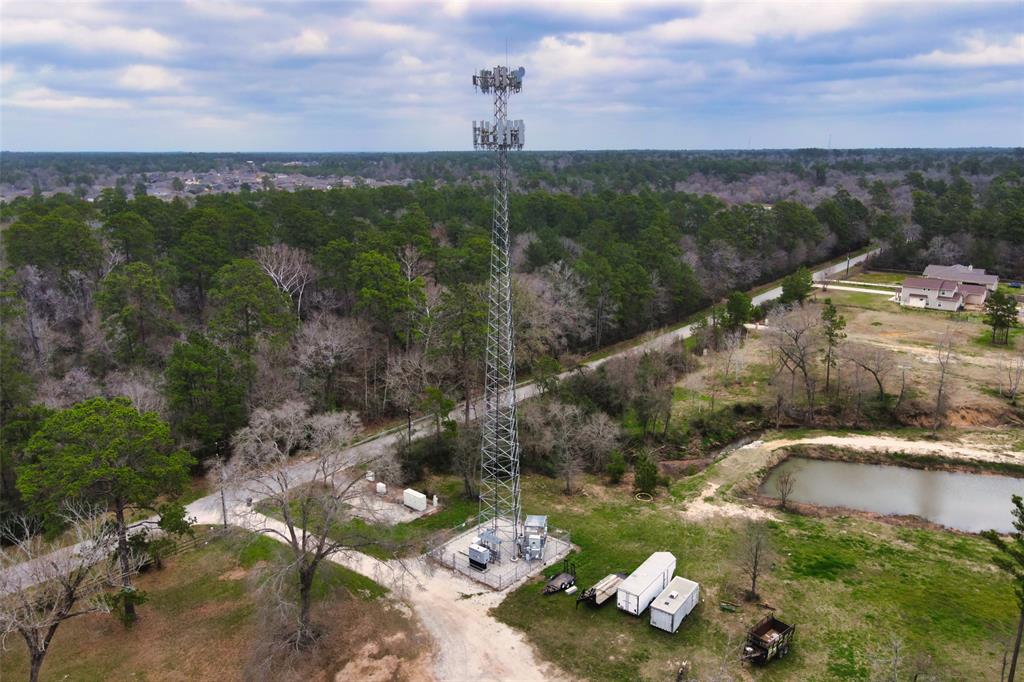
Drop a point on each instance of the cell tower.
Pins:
(499, 459)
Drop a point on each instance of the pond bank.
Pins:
(966, 501)
(922, 461)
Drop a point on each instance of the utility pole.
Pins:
(499, 458)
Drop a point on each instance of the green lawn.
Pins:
(984, 340)
(859, 299)
(880, 277)
(849, 584)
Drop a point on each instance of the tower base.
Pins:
(504, 571)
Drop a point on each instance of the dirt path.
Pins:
(470, 644)
(705, 507)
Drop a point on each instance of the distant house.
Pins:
(930, 292)
(963, 274)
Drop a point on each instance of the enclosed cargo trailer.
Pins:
(674, 603)
(636, 592)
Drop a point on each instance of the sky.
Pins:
(395, 75)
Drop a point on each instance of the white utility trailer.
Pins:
(645, 583)
(674, 603)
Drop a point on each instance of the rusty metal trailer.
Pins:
(768, 640)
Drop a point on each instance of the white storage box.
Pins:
(414, 500)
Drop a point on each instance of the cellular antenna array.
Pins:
(500, 511)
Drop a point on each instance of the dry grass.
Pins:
(200, 624)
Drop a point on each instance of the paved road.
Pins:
(207, 510)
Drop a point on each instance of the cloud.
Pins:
(45, 98)
(225, 10)
(6, 72)
(55, 32)
(148, 77)
(975, 52)
(745, 23)
(309, 42)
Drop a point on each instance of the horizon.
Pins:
(734, 150)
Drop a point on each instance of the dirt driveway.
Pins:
(470, 644)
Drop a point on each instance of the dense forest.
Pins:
(372, 299)
(774, 171)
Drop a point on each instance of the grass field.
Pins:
(849, 584)
(1013, 342)
(879, 277)
(201, 619)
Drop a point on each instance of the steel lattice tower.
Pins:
(499, 459)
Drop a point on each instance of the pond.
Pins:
(967, 502)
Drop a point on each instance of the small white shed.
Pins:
(637, 591)
(674, 603)
(414, 499)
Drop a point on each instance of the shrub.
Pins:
(616, 468)
(646, 474)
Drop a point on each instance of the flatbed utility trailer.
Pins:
(768, 640)
(603, 590)
(562, 581)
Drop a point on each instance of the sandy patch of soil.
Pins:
(238, 573)
(706, 507)
(370, 666)
(967, 450)
(678, 468)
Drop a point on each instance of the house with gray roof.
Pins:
(963, 274)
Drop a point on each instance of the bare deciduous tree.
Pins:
(795, 332)
(289, 267)
(406, 378)
(784, 484)
(142, 387)
(875, 360)
(946, 358)
(724, 364)
(309, 500)
(1013, 368)
(893, 663)
(43, 584)
(324, 345)
(568, 438)
(74, 387)
(754, 554)
(466, 459)
(598, 437)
